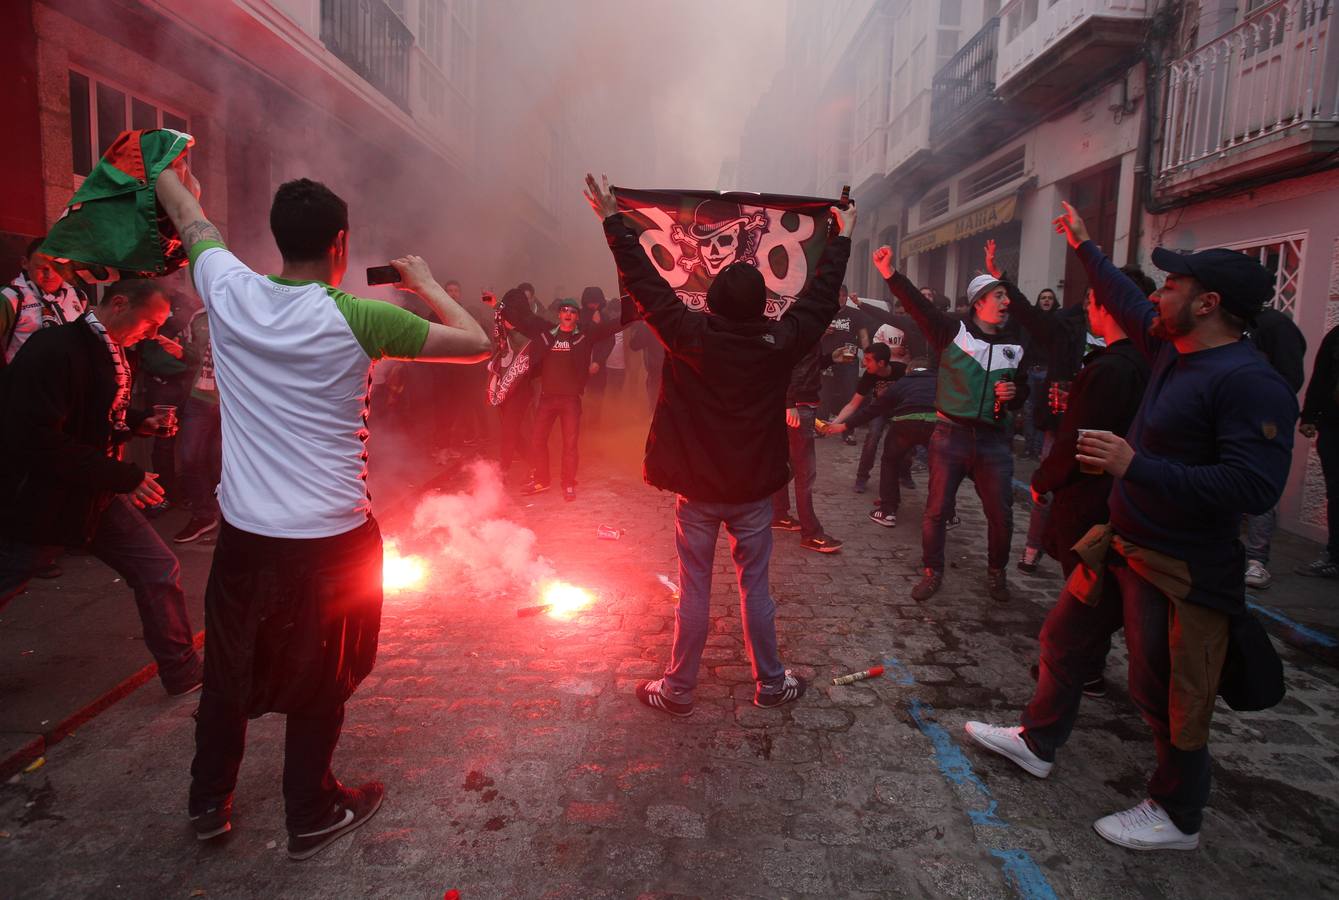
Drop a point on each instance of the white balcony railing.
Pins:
(1277, 71)
(1031, 26)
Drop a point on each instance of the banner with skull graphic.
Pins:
(690, 236)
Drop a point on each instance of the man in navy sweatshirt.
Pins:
(1212, 440)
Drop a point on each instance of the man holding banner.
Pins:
(737, 288)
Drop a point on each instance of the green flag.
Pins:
(113, 227)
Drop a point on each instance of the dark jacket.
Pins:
(1212, 441)
(806, 379)
(56, 475)
(913, 393)
(1321, 406)
(561, 359)
(719, 429)
(1282, 343)
(1105, 395)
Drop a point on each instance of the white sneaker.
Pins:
(1146, 827)
(1009, 743)
(1257, 576)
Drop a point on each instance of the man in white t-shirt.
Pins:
(293, 604)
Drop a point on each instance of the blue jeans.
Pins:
(983, 453)
(804, 463)
(127, 542)
(201, 447)
(749, 525)
(1040, 515)
(1033, 442)
(871, 448)
(1260, 534)
(1074, 643)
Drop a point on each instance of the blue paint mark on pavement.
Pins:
(897, 672)
(1020, 869)
(1319, 638)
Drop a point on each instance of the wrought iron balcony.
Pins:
(370, 39)
(1267, 88)
(965, 83)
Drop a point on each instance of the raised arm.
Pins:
(460, 339)
(178, 193)
(655, 300)
(1112, 288)
(818, 303)
(938, 326)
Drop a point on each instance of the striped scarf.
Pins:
(117, 414)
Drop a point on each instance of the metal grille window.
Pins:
(934, 205)
(99, 111)
(992, 175)
(1283, 257)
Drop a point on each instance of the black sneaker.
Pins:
(952, 523)
(786, 523)
(1031, 558)
(570, 493)
(792, 688)
(352, 809)
(929, 585)
(997, 585)
(648, 692)
(196, 528)
(821, 543)
(535, 487)
(848, 440)
(886, 519)
(213, 821)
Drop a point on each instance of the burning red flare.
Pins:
(565, 601)
(401, 573)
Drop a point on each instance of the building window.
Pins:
(1283, 257)
(99, 111)
(993, 175)
(934, 205)
(431, 28)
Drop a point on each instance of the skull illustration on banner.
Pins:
(692, 236)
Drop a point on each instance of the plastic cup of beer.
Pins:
(166, 414)
(1085, 468)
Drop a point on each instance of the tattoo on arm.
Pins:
(200, 230)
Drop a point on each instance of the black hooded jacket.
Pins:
(719, 429)
(56, 472)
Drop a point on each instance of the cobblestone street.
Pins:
(518, 763)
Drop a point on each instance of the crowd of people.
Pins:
(1163, 418)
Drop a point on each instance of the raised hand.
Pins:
(414, 273)
(1070, 224)
(883, 261)
(602, 201)
(990, 259)
(845, 218)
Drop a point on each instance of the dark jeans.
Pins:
(201, 446)
(1074, 643)
(984, 454)
(292, 626)
(565, 409)
(903, 438)
(1040, 515)
(697, 525)
(127, 542)
(804, 462)
(1327, 448)
(871, 447)
(515, 415)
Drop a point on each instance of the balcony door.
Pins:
(1094, 198)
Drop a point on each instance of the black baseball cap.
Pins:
(1244, 284)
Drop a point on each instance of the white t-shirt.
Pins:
(293, 364)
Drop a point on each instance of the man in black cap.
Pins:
(1212, 440)
(718, 438)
